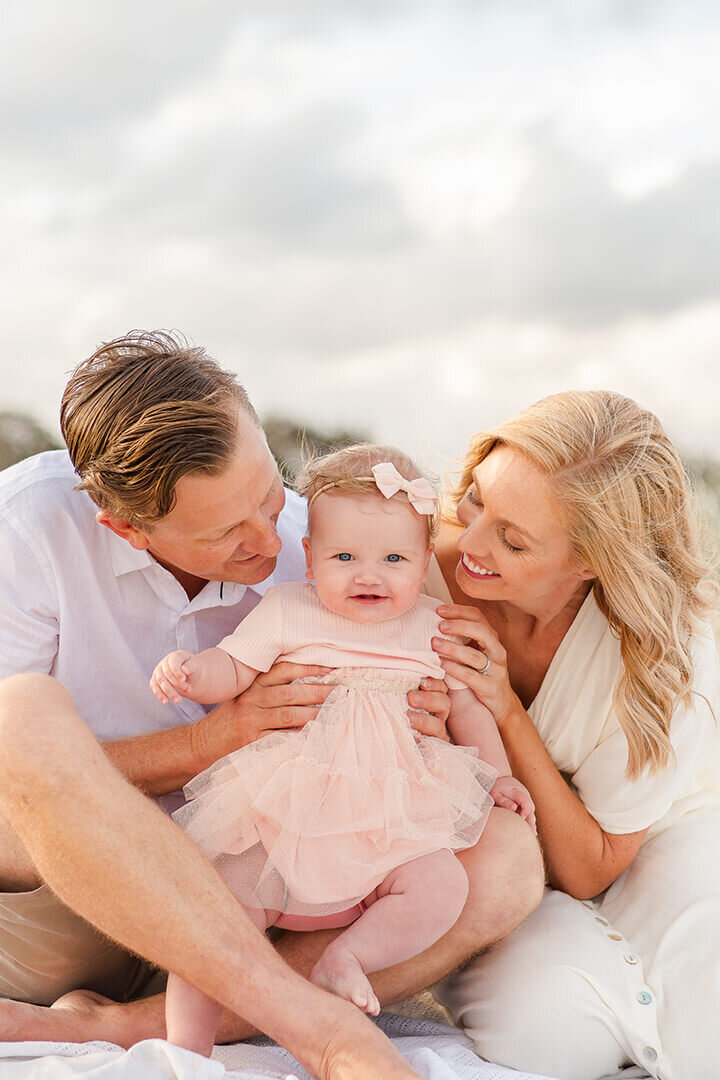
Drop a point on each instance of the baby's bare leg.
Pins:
(192, 1018)
(416, 904)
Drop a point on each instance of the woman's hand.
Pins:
(433, 699)
(467, 662)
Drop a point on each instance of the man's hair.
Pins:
(142, 412)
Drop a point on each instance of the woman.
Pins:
(581, 585)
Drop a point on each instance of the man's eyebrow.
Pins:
(506, 521)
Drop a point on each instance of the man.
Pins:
(179, 525)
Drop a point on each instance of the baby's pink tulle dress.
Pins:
(309, 822)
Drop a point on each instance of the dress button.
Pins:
(615, 937)
(603, 922)
(650, 1053)
(631, 958)
(644, 997)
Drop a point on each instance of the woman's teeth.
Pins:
(475, 568)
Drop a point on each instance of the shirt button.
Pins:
(644, 997)
(615, 937)
(631, 958)
(650, 1053)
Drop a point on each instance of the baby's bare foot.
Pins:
(340, 972)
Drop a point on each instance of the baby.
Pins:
(353, 820)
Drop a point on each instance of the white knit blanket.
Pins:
(435, 1051)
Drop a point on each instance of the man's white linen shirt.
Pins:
(79, 603)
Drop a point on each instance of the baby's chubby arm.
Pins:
(472, 724)
(210, 676)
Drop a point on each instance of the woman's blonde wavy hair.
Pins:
(629, 512)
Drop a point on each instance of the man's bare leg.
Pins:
(506, 879)
(113, 857)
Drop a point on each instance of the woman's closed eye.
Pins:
(511, 547)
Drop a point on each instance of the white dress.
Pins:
(582, 988)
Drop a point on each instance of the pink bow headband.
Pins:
(421, 494)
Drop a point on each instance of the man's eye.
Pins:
(394, 558)
(344, 556)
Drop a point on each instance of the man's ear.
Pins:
(307, 547)
(122, 528)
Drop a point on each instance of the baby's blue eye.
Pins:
(344, 556)
(394, 558)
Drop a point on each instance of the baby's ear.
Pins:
(307, 547)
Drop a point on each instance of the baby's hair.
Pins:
(347, 472)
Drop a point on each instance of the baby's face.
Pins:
(368, 555)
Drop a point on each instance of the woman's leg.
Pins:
(415, 905)
(548, 998)
(667, 904)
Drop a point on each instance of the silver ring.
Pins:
(488, 665)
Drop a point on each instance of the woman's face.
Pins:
(514, 546)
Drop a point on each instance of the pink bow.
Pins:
(420, 492)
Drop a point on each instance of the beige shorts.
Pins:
(46, 950)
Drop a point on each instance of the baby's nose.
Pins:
(367, 575)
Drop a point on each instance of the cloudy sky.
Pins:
(409, 217)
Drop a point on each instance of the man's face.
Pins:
(223, 526)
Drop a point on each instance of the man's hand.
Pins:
(433, 699)
(274, 702)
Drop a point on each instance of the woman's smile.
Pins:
(475, 569)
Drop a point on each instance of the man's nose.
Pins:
(262, 536)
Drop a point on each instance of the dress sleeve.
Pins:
(620, 805)
(28, 608)
(258, 640)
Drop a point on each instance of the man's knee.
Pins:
(31, 708)
(39, 726)
(505, 870)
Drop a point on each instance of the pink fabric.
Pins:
(310, 822)
(421, 494)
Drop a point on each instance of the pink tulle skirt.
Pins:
(309, 822)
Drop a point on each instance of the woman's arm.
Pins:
(581, 858)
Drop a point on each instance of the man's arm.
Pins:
(164, 761)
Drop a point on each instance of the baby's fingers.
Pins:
(164, 688)
(505, 801)
(178, 666)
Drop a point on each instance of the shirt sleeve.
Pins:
(29, 621)
(620, 805)
(258, 640)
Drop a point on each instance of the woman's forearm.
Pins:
(581, 858)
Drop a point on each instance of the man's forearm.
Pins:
(159, 762)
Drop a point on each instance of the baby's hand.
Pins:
(512, 795)
(172, 678)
